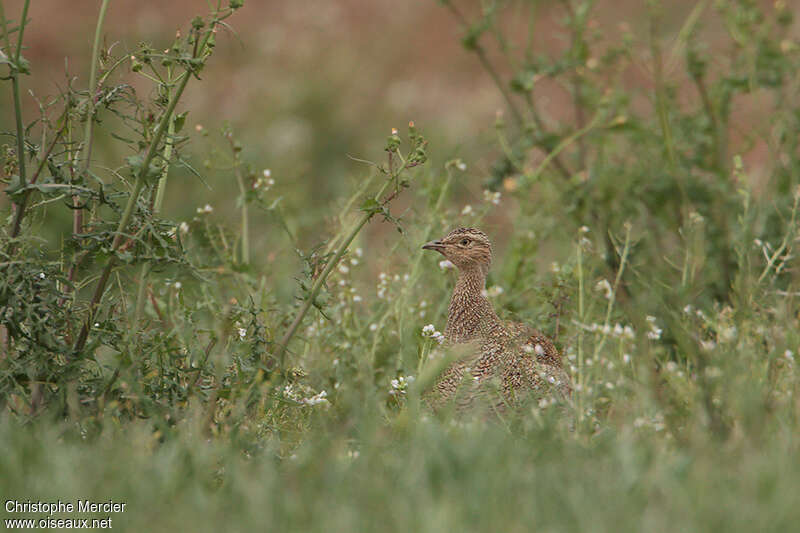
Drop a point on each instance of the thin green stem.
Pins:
(14, 74)
(159, 200)
(280, 354)
(613, 296)
(580, 330)
(237, 170)
(130, 206)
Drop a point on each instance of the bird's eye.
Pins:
(464, 242)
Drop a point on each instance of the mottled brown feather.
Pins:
(515, 358)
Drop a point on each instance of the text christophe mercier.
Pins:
(80, 506)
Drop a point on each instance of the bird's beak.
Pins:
(434, 245)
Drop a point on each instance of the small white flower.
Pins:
(183, 228)
(344, 269)
(687, 309)
(359, 252)
(584, 229)
(628, 332)
(356, 298)
(267, 173)
(626, 358)
(321, 398)
(789, 355)
(242, 333)
(555, 267)
(41, 275)
(654, 334)
(467, 210)
(460, 165)
(494, 291)
(728, 334)
(618, 330)
(177, 285)
(205, 209)
(493, 197)
(373, 327)
(708, 345)
(446, 264)
(428, 330)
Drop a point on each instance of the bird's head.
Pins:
(466, 248)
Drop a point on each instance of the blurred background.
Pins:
(305, 84)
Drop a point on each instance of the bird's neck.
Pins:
(469, 308)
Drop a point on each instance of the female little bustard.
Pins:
(521, 358)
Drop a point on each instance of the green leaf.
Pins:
(180, 120)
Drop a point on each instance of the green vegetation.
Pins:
(212, 385)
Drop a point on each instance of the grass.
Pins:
(170, 365)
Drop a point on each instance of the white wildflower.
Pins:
(356, 298)
(320, 398)
(494, 291)
(728, 334)
(177, 285)
(687, 309)
(205, 209)
(267, 173)
(344, 269)
(626, 358)
(242, 333)
(373, 327)
(41, 275)
(493, 197)
(789, 355)
(460, 165)
(400, 384)
(584, 229)
(359, 252)
(555, 267)
(467, 210)
(183, 228)
(655, 332)
(708, 345)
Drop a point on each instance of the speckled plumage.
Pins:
(515, 357)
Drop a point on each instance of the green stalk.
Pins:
(280, 354)
(159, 201)
(612, 298)
(15, 87)
(128, 213)
(245, 228)
(580, 331)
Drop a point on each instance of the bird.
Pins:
(517, 359)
